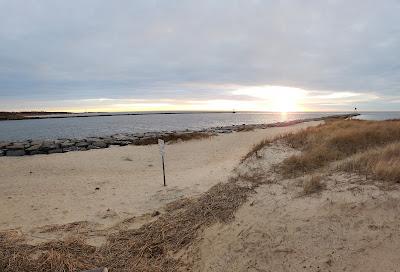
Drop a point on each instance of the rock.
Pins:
(2, 153)
(37, 142)
(81, 144)
(33, 148)
(147, 140)
(16, 152)
(67, 144)
(57, 150)
(3, 145)
(49, 145)
(100, 144)
(16, 146)
(70, 148)
(120, 137)
(155, 213)
(120, 143)
(91, 140)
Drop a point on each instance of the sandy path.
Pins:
(61, 188)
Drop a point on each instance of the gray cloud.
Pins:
(64, 50)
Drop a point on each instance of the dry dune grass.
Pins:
(312, 185)
(336, 140)
(151, 247)
(381, 163)
(255, 149)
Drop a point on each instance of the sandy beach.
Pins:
(233, 202)
(108, 185)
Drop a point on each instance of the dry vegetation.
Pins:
(381, 163)
(255, 149)
(152, 247)
(337, 140)
(370, 148)
(312, 185)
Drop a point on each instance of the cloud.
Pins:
(199, 50)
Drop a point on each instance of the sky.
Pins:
(262, 55)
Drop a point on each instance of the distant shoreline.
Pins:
(15, 116)
(34, 115)
(23, 115)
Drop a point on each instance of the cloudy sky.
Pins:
(199, 55)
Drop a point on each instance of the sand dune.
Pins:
(351, 225)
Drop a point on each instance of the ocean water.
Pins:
(82, 127)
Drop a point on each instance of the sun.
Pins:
(285, 102)
(275, 98)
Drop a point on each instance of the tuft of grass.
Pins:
(381, 163)
(336, 140)
(255, 149)
(312, 185)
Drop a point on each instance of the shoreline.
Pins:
(63, 115)
(38, 147)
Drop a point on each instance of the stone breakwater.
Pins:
(35, 147)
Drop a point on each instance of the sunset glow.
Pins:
(275, 98)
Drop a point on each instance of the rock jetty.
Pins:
(35, 147)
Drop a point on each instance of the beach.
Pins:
(106, 186)
(314, 196)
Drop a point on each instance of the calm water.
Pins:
(108, 125)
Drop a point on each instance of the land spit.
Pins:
(35, 147)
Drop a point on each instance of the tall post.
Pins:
(161, 145)
(163, 169)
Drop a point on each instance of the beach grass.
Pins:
(312, 185)
(334, 141)
(255, 149)
(381, 163)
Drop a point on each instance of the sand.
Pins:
(351, 225)
(108, 185)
